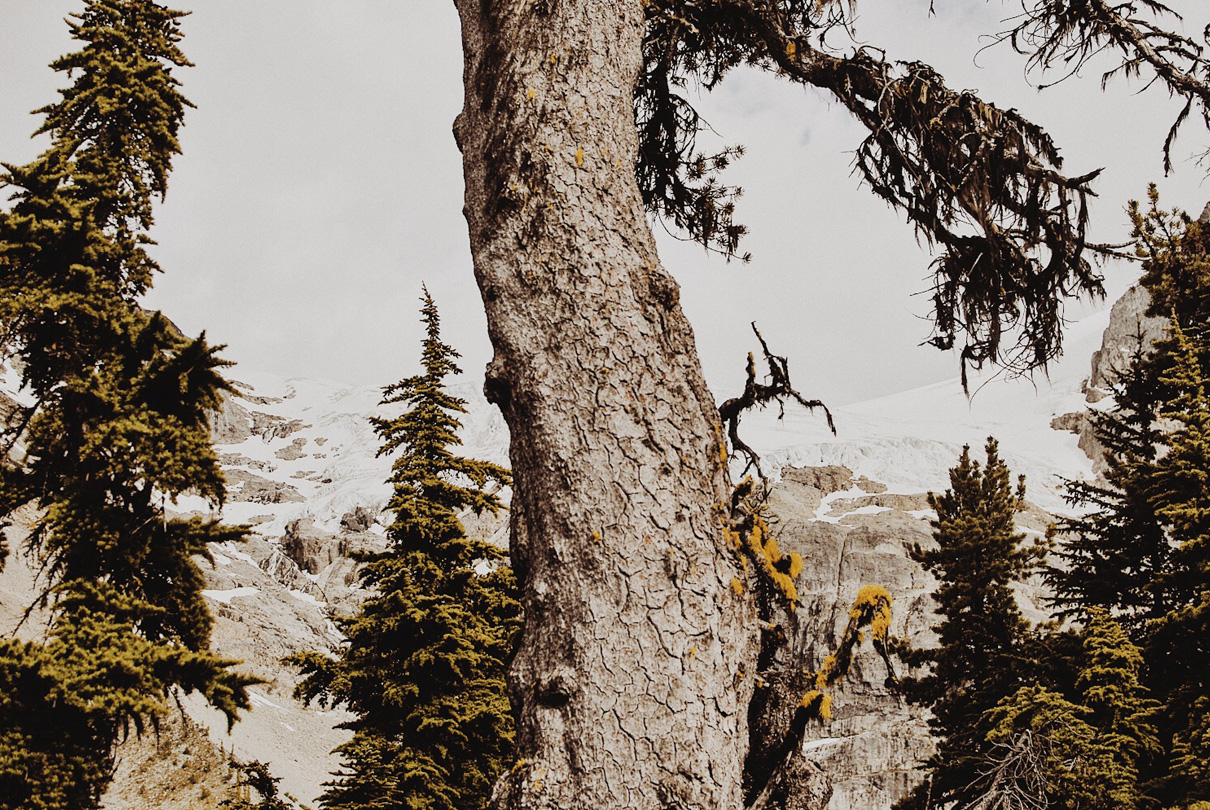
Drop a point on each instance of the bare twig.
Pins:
(778, 388)
(1059, 33)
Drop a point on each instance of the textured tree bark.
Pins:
(635, 667)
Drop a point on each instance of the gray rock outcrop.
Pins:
(311, 549)
(231, 423)
(1127, 320)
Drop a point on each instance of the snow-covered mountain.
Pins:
(302, 467)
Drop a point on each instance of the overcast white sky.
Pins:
(320, 186)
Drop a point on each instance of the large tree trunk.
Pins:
(635, 667)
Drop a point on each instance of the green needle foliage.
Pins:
(982, 654)
(1143, 551)
(1117, 551)
(1180, 642)
(424, 665)
(1079, 754)
(119, 426)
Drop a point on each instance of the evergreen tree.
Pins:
(1142, 550)
(1109, 687)
(1082, 753)
(1118, 550)
(1179, 647)
(1176, 272)
(1182, 476)
(120, 422)
(424, 664)
(981, 657)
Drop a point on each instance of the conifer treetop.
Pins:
(115, 133)
(432, 484)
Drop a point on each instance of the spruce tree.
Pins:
(1077, 752)
(981, 657)
(424, 663)
(1179, 645)
(119, 426)
(1175, 251)
(1117, 551)
(1119, 708)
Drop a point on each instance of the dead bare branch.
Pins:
(778, 388)
(1062, 34)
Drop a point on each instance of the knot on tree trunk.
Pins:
(555, 690)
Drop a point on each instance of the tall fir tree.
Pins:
(1141, 552)
(1117, 551)
(120, 422)
(982, 653)
(424, 664)
(1179, 644)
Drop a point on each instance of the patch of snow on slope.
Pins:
(911, 439)
(225, 596)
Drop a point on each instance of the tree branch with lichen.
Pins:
(871, 609)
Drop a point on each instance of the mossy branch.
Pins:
(871, 609)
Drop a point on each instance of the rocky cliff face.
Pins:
(851, 531)
(1128, 324)
(1128, 319)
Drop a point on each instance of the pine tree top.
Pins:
(115, 133)
(432, 484)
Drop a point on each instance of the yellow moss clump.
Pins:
(737, 586)
(818, 704)
(786, 586)
(763, 548)
(824, 676)
(795, 564)
(873, 607)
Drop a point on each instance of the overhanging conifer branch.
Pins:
(983, 184)
(980, 182)
(1066, 34)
